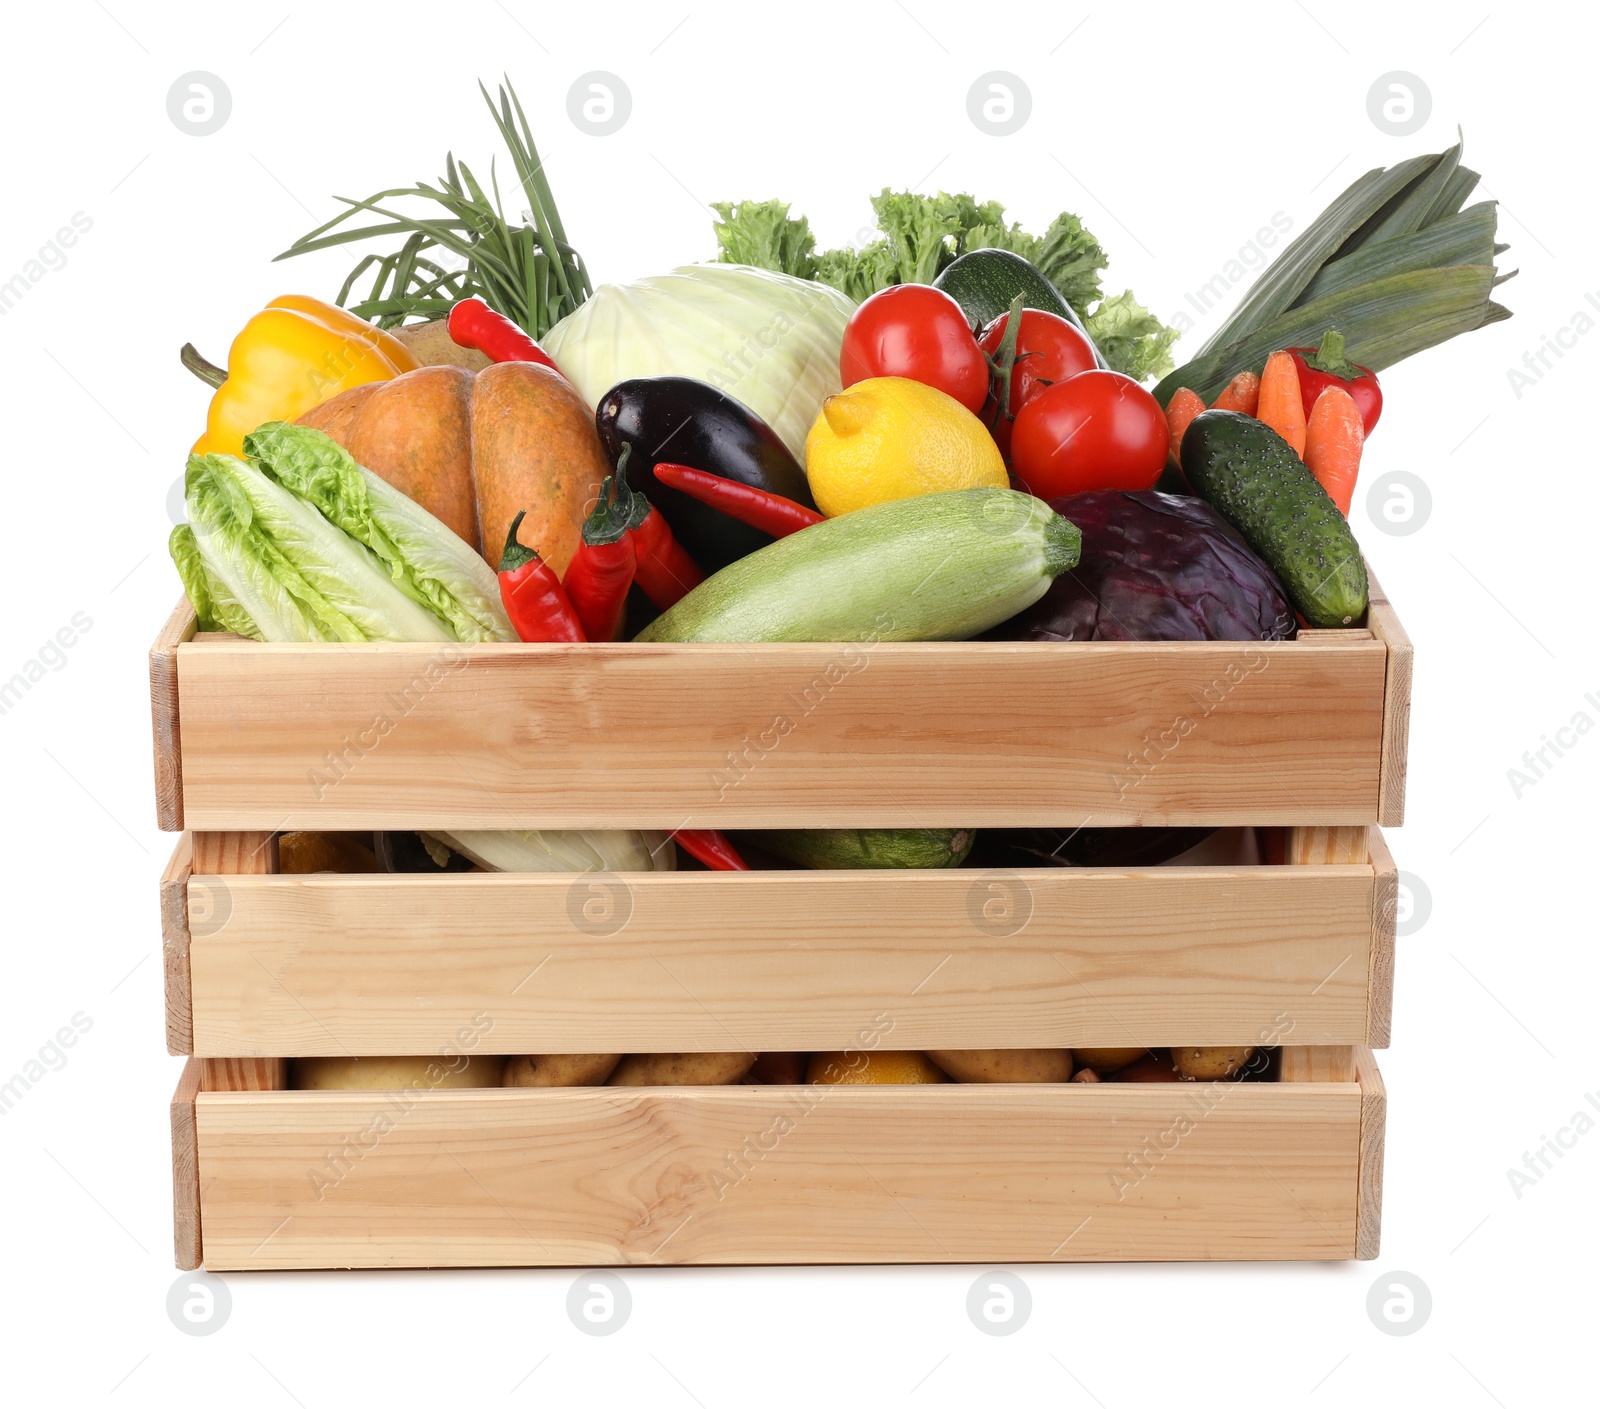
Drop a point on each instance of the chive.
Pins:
(529, 273)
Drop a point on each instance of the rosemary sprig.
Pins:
(530, 273)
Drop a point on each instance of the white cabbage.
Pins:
(561, 851)
(768, 340)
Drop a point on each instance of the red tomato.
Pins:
(1049, 350)
(1097, 430)
(920, 332)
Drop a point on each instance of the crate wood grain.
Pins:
(378, 965)
(832, 735)
(844, 1174)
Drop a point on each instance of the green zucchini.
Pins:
(984, 282)
(869, 848)
(935, 567)
(1250, 475)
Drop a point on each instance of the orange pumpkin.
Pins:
(475, 448)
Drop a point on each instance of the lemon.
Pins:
(871, 1068)
(892, 438)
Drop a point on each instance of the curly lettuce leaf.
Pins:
(858, 273)
(922, 234)
(917, 228)
(1131, 338)
(764, 235)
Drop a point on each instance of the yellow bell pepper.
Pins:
(295, 354)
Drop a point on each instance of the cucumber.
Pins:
(984, 282)
(935, 567)
(869, 848)
(1250, 475)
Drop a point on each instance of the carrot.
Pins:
(1183, 408)
(1280, 406)
(1241, 394)
(1334, 435)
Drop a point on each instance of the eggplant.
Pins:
(681, 421)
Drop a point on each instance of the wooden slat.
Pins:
(235, 853)
(936, 734)
(166, 734)
(1327, 846)
(1318, 1064)
(175, 948)
(784, 960)
(186, 1244)
(244, 1074)
(1386, 627)
(1380, 972)
(1374, 1116)
(780, 1175)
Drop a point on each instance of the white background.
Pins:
(1176, 132)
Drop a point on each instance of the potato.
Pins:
(1107, 1059)
(682, 1068)
(1210, 1063)
(431, 345)
(579, 1069)
(1007, 1064)
(304, 853)
(394, 1073)
(1153, 1066)
(872, 1069)
(777, 1069)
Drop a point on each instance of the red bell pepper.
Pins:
(1326, 366)
(532, 594)
(473, 324)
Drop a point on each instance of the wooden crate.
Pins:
(254, 739)
(266, 737)
(267, 1178)
(262, 964)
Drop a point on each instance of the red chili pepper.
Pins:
(475, 325)
(1326, 366)
(601, 571)
(771, 513)
(711, 849)
(533, 596)
(662, 566)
